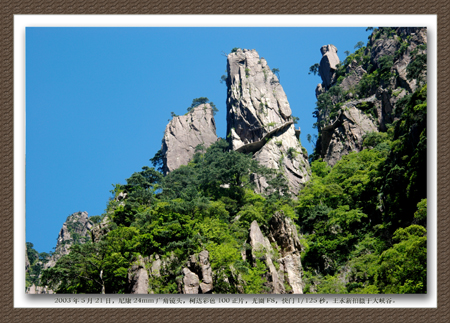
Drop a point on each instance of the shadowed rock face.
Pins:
(184, 133)
(259, 118)
(346, 134)
(328, 64)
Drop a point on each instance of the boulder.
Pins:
(284, 233)
(198, 276)
(191, 282)
(353, 79)
(27, 261)
(207, 281)
(100, 229)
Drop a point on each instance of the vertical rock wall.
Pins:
(259, 118)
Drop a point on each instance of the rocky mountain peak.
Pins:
(362, 99)
(76, 229)
(256, 102)
(259, 118)
(328, 64)
(184, 133)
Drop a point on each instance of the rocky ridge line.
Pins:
(360, 116)
(76, 229)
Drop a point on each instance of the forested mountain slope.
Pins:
(251, 214)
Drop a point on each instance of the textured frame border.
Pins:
(9, 8)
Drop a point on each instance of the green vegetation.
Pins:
(359, 45)
(37, 261)
(362, 223)
(276, 71)
(189, 210)
(418, 66)
(365, 219)
(314, 69)
(223, 79)
(202, 100)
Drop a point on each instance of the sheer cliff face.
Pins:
(184, 133)
(255, 98)
(259, 119)
(362, 112)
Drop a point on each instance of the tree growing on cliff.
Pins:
(202, 100)
(359, 45)
(314, 69)
(276, 71)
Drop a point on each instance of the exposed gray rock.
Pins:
(207, 280)
(261, 249)
(33, 289)
(385, 45)
(100, 229)
(353, 79)
(282, 247)
(342, 135)
(255, 98)
(284, 233)
(386, 107)
(191, 282)
(292, 267)
(184, 133)
(27, 261)
(198, 273)
(138, 277)
(345, 134)
(155, 268)
(259, 118)
(78, 225)
(328, 64)
(76, 229)
(319, 90)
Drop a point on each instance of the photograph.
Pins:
(226, 160)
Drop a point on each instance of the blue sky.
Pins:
(98, 101)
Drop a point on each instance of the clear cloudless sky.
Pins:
(98, 101)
